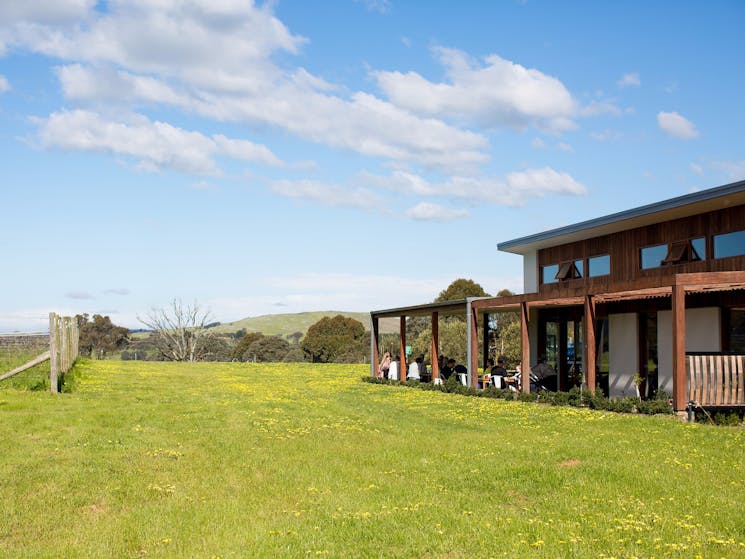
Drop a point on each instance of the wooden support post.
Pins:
(402, 349)
(590, 357)
(473, 345)
(374, 345)
(53, 349)
(485, 329)
(679, 347)
(434, 350)
(525, 346)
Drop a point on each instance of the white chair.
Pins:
(463, 379)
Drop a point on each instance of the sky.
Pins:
(290, 156)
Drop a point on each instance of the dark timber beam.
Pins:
(402, 349)
(485, 354)
(473, 349)
(434, 351)
(374, 345)
(679, 347)
(525, 346)
(590, 357)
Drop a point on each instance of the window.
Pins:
(652, 257)
(680, 252)
(548, 273)
(580, 266)
(699, 247)
(567, 271)
(729, 244)
(736, 332)
(598, 266)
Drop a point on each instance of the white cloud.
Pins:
(606, 135)
(79, 295)
(118, 291)
(735, 170)
(303, 292)
(4, 85)
(330, 195)
(245, 150)
(630, 80)
(142, 52)
(697, 169)
(427, 211)
(106, 85)
(380, 6)
(598, 108)
(155, 145)
(538, 143)
(676, 126)
(563, 146)
(495, 93)
(44, 11)
(511, 190)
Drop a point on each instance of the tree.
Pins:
(240, 349)
(267, 349)
(179, 331)
(294, 338)
(239, 334)
(100, 335)
(330, 338)
(461, 289)
(216, 348)
(452, 342)
(510, 337)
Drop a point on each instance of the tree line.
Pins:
(184, 333)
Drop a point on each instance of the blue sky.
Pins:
(347, 155)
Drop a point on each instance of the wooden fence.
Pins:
(716, 379)
(63, 347)
(62, 352)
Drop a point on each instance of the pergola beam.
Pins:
(434, 347)
(525, 346)
(590, 357)
(679, 348)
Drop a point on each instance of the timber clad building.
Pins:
(647, 299)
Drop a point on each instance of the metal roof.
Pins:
(732, 194)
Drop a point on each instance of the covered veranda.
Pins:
(724, 383)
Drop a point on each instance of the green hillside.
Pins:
(286, 324)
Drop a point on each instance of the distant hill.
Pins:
(285, 324)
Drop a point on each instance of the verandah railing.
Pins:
(716, 379)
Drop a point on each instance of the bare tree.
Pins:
(179, 330)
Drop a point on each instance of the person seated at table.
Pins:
(424, 374)
(414, 368)
(499, 373)
(393, 369)
(447, 369)
(500, 368)
(460, 370)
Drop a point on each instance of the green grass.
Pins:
(301, 460)
(286, 324)
(35, 378)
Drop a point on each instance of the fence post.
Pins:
(53, 357)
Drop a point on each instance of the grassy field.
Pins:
(300, 460)
(289, 323)
(284, 324)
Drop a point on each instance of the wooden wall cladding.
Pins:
(624, 247)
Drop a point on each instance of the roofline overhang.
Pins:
(458, 305)
(682, 206)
